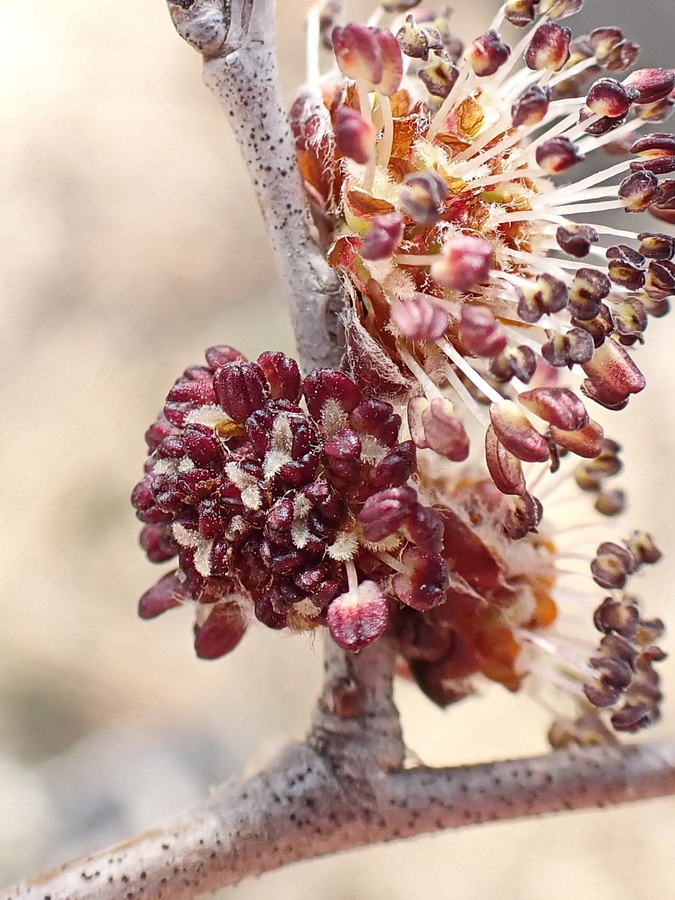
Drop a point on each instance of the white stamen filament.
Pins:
(468, 370)
(464, 81)
(385, 145)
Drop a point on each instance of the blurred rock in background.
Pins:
(130, 243)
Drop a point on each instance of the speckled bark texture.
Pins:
(300, 807)
(240, 67)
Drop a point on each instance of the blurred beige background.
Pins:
(130, 241)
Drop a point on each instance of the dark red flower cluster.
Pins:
(278, 508)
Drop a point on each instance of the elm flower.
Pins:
(288, 510)
(533, 609)
(444, 182)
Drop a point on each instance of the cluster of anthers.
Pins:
(339, 499)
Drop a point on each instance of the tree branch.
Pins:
(300, 807)
(236, 40)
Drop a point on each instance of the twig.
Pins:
(299, 808)
(236, 40)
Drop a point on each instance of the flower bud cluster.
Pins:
(270, 503)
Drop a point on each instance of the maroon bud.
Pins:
(487, 54)
(327, 391)
(631, 718)
(523, 517)
(612, 565)
(531, 106)
(661, 276)
(639, 191)
(384, 236)
(426, 584)
(558, 154)
(439, 77)
(424, 527)
(560, 9)
(516, 432)
(421, 196)
(616, 616)
(420, 319)
(417, 40)
(221, 355)
(505, 469)
(655, 146)
(574, 347)
(643, 548)
(558, 406)
(610, 503)
(650, 85)
(355, 138)
(282, 374)
(575, 239)
(444, 431)
(463, 262)
(359, 617)
(480, 333)
(546, 295)
(186, 396)
(588, 289)
(221, 632)
(601, 695)
(156, 433)
(385, 512)
(549, 47)
(266, 612)
(608, 98)
(396, 467)
(343, 454)
(520, 12)
(514, 362)
(656, 246)
(158, 543)
(377, 418)
(585, 442)
(241, 389)
(167, 593)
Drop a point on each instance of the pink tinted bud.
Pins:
(359, 617)
(329, 386)
(463, 262)
(612, 374)
(585, 442)
(557, 406)
(650, 85)
(487, 54)
(385, 512)
(384, 236)
(517, 433)
(420, 319)
(549, 47)
(369, 54)
(221, 355)
(241, 389)
(531, 107)
(221, 632)
(158, 543)
(167, 593)
(608, 98)
(283, 375)
(355, 138)
(357, 53)
(480, 333)
(444, 431)
(505, 469)
(377, 418)
(557, 155)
